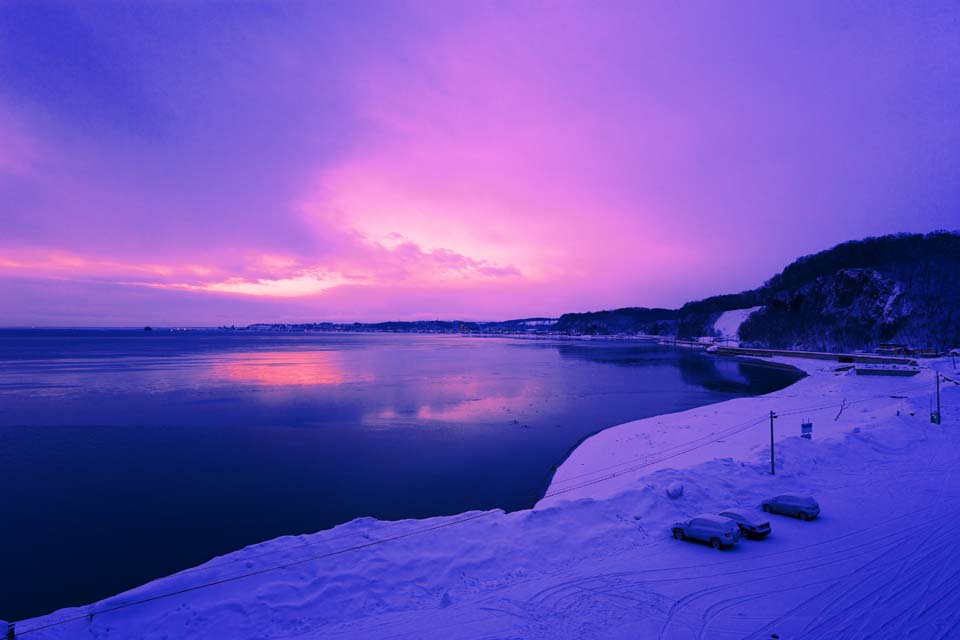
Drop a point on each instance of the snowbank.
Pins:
(595, 559)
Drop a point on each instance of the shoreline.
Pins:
(504, 538)
(614, 399)
(601, 453)
(758, 362)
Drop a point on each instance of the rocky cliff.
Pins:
(899, 288)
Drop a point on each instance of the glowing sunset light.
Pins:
(64, 263)
(220, 163)
(303, 285)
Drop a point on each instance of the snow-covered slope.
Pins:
(728, 324)
(595, 559)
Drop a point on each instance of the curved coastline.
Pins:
(519, 539)
(615, 446)
(602, 466)
(366, 523)
(552, 392)
(758, 362)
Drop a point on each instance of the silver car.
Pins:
(803, 507)
(751, 523)
(719, 532)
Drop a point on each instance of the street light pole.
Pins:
(939, 415)
(773, 470)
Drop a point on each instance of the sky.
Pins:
(187, 163)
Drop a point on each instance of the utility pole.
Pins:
(773, 470)
(939, 415)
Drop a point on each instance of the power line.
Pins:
(731, 431)
(879, 396)
(349, 549)
(657, 460)
(247, 558)
(647, 455)
(242, 576)
(764, 417)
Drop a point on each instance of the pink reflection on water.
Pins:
(282, 368)
(467, 400)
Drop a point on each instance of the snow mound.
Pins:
(675, 489)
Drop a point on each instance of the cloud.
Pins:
(350, 160)
(365, 263)
(309, 283)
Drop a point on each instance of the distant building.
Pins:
(892, 349)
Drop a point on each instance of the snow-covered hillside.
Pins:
(595, 558)
(728, 324)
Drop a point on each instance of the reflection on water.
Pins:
(125, 456)
(479, 398)
(285, 368)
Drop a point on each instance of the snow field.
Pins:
(597, 561)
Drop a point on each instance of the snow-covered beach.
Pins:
(594, 559)
(503, 320)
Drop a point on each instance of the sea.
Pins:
(127, 455)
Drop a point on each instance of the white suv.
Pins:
(717, 530)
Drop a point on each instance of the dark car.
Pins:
(752, 524)
(803, 507)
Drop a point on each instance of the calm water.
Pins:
(127, 455)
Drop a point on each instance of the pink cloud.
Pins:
(476, 144)
(467, 160)
(364, 264)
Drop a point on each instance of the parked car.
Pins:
(752, 524)
(719, 532)
(803, 507)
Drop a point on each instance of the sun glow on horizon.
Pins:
(216, 163)
(308, 284)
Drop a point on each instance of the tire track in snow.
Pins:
(813, 628)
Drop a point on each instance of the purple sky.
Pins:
(187, 163)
